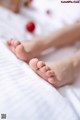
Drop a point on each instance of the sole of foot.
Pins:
(19, 50)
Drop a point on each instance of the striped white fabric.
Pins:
(25, 96)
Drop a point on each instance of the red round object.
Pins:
(30, 26)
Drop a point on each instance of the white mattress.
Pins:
(24, 95)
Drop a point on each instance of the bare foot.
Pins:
(57, 74)
(26, 51)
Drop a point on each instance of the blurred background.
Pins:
(46, 16)
(24, 19)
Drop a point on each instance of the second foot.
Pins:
(57, 74)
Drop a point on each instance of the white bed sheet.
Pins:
(41, 102)
(25, 96)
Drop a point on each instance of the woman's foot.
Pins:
(28, 50)
(57, 74)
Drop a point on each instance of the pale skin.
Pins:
(56, 73)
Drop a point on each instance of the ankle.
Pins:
(43, 43)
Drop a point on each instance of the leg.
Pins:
(58, 73)
(15, 5)
(1, 2)
(65, 36)
(33, 48)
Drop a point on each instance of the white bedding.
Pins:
(24, 95)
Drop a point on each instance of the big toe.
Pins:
(33, 63)
(21, 53)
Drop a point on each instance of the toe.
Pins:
(44, 69)
(16, 43)
(49, 73)
(12, 42)
(53, 81)
(33, 63)
(8, 42)
(10, 46)
(40, 64)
